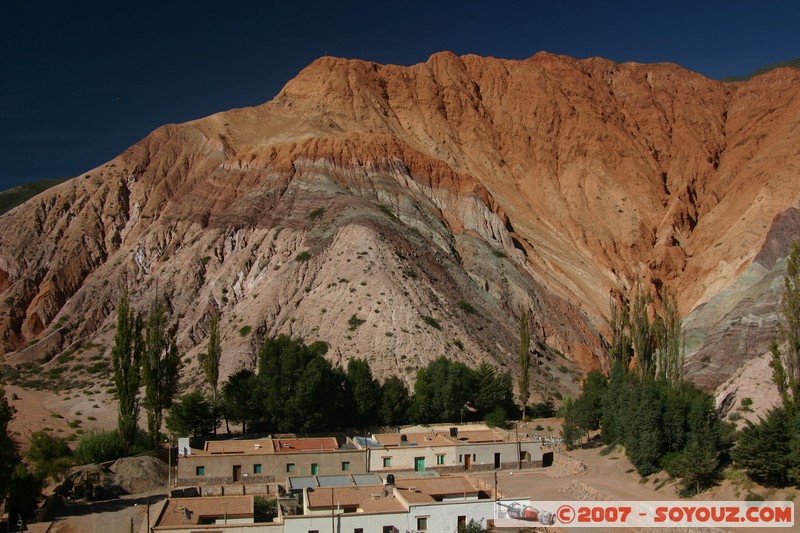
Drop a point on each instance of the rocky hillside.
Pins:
(435, 203)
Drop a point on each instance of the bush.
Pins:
(316, 213)
(49, 455)
(497, 418)
(354, 322)
(467, 308)
(302, 257)
(99, 446)
(431, 321)
(245, 330)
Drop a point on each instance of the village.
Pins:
(417, 479)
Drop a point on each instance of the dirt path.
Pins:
(125, 514)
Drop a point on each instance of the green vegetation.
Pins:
(302, 257)
(316, 213)
(524, 355)
(431, 321)
(244, 331)
(792, 63)
(126, 358)
(98, 446)
(467, 308)
(192, 414)
(354, 322)
(11, 198)
(770, 451)
(662, 422)
(160, 366)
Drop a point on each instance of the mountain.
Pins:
(792, 63)
(14, 196)
(435, 203)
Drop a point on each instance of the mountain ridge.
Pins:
(545, 185)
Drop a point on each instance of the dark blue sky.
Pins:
(80, 81)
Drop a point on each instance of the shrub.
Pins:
(316, 213)
(49, 455)
(466, 307)
(497, 418)
(302, 257)
(354, 322)
(431, 321)
(98, 446)
(264, 510)
(245, 330)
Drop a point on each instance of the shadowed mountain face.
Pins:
(464, 189)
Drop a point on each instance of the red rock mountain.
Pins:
(463, 189)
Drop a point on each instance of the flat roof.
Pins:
(268, 446)
(315, 444)
(439, 486)
(412, 440)
(189, 511)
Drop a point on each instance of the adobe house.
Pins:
(266, 461)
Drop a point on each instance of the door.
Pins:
(314, 469)
(497, 460)
(467, 461)
(419, 464)
(237, 473)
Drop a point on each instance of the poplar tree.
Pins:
(210, 359)
(786, 366)
(160, 369)
(126, 360)
(524, 363)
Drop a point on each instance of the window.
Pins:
(422, 523)
(199, 471)
(345, 465)
(314, 469)
(460, 459)
(256, 469)
(389, 529)
(474, 456)
(358, 530)
(440, 459)
(290, 467)
(387, 462)
(461, 522)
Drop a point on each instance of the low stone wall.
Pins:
(238, 489)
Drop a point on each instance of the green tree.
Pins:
(786, 366)
(442, 391)
(160, 369)
(621, 349)
(764, 450)
(366, 392)
(126, 358)
(49, 455)
(298, 390)
(669, 341)
(9, 458)
(493, 390)
(25, 490)
(642, 337)
(524, 361)
(191, 415)
(239, 398)
(644, 446)
(395, 402)
(588, 408)
(209, 359)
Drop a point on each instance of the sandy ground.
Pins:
(125, 514)
(42, 409)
